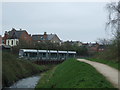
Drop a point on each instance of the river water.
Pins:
(29, 82)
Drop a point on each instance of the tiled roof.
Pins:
(50, 36)
(16, 34)
(37, 37)
(41, 37)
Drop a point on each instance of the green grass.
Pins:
(73, 74)
(14, 69)
(111, 63)
(45, 77)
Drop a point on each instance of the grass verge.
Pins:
(73, 74)
(14, 69)
(112, 63)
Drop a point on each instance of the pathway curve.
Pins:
(110, 73)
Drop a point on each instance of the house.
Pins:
(91, 46)
(101, 47)
(46, 37)
(78, 43)
(14, 36)
(94, 46)
(85, 44)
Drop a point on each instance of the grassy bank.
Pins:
(73, 74)
(112, 63)
(14, 69)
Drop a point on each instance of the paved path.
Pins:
(110, 73)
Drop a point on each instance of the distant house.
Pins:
(93, 47)
(46, 37)
(85, 44)
(14, 36)
(101, 48)
(78, 43)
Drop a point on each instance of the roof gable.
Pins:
(16, 34)
(19, 33)
(50, 36)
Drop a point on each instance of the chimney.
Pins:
(6, 32)
(6, 35)
(45, 33)
(45, 36)
(13, 29)
(29, 34)
(20, 29)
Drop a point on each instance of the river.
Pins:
(29, 82)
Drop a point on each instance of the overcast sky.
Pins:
(83, 21)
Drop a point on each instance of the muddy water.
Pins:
(29, 82)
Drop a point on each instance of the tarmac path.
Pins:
(111, 74)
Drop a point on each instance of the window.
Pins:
(3, 41)
(44, 54)
(11, 42)
(8, 42)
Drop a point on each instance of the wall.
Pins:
(25, 36)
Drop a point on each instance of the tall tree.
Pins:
(114, 23)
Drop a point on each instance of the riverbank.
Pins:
(14, 69)
(29, 82)
(73, 74)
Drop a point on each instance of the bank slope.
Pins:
(14, 69)
(73, 74)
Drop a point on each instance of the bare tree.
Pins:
(114, 23)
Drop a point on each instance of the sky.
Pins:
(81, 21)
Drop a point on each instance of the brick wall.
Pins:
(25, 36)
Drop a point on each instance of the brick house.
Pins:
(46, 37)
(101, 48)
(92, 47)
(78, 43)
(14, 36)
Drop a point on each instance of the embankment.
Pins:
(14, 69)
(73, 74)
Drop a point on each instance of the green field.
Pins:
(14, 69)
(112, 63)
(73, 74)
